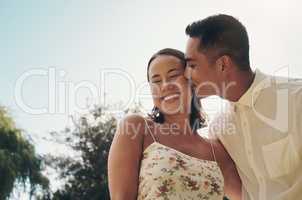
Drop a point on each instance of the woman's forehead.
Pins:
(164, 63)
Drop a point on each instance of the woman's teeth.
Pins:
(169, 97)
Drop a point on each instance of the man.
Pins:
(261, 127)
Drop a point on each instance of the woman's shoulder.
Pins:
(134, 119)
(135, 123)
(137, 119)
(221, 153)
(218, 148)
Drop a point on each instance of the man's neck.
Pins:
(240, 82)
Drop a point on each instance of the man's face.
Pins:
(204, 74)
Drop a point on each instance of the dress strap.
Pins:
(149, 130)
(213, 152)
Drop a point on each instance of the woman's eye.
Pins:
(156, 81)
(175, 75)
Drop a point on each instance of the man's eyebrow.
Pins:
(188, 59)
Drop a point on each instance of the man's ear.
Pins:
(224, 63)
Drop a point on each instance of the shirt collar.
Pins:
(250, 96)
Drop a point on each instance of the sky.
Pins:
(58, 56)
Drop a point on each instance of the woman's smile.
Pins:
(170, 97)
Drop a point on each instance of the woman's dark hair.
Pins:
(196, 119)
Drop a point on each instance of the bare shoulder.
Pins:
(220, 151)
(124, 157)
(136, 120)
(129, 137)
(216, 144)
(133, 118)
(133, 126)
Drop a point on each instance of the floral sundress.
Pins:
(168, 174)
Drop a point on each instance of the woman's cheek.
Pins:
(155, 96)
(156, 102)
(155, 89)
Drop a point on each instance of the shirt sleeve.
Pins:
(296, 108)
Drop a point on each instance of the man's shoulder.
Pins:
(292, 84)
(272, 85)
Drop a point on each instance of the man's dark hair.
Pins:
(222, 35)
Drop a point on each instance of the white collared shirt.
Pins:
(263, 134)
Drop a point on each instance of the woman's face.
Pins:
(170, 90)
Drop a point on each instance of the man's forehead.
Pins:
(192, 47)
(189, 57)
(193, 42)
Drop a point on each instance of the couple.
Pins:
(256, 152)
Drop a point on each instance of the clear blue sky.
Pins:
(83, 37)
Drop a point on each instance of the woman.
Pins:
(163, 157)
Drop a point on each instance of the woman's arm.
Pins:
(232, 181)
(124, 158)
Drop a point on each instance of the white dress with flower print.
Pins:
(168, 174)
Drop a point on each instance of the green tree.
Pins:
(18, 160)
(85, 170)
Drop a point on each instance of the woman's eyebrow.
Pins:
(154, 76)
(172, 70)
(169, 71)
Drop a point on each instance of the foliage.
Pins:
(85, 170)
(18, 160)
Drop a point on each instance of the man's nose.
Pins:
(188, 73)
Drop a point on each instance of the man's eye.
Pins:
(192, 66)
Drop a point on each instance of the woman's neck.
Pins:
(178, 123)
